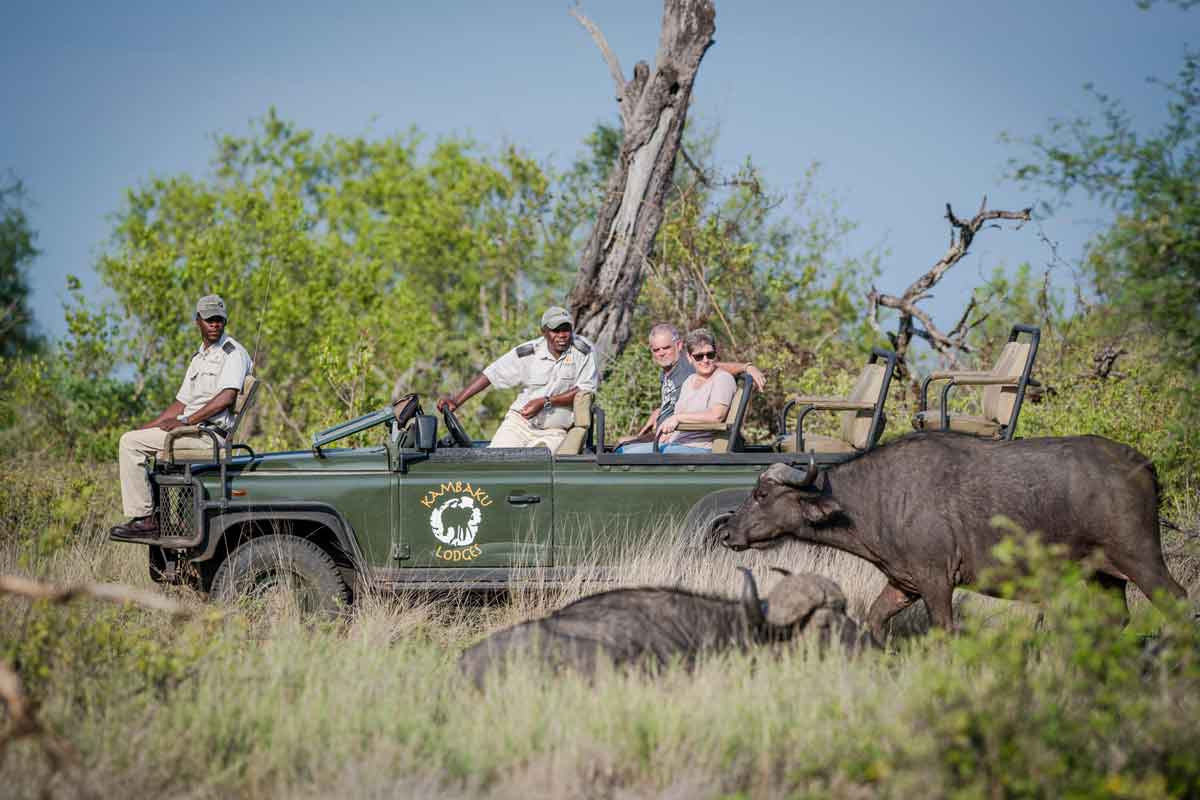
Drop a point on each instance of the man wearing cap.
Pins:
(209, 390)
(550, 370)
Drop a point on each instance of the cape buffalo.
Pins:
(920, 510)
(652, 627)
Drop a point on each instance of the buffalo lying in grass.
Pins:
(921, 509)
(654, 627)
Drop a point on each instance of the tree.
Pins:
(1147, 264)
(653, 107)
(16, 252)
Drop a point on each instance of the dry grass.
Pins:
(256, 702)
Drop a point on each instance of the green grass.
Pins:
(255, 702)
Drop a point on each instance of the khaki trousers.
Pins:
(134, 449)
(515, 431)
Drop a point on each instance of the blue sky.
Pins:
(901, 102)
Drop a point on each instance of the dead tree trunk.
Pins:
(653, 110)
(962, 233)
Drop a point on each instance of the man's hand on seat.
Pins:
(170, 424)
(756, 375)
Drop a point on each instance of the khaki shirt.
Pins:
(224, 365)
(531, 366)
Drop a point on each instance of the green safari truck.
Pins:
(418, 512)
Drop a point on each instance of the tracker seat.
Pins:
(221, 451)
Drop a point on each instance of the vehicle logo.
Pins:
(456, 521)
(457, 513)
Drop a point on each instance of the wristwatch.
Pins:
(183, 418)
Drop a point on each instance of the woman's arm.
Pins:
(714, 413)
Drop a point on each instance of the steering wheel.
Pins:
(458, 436)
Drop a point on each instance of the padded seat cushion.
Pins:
(816, 443)
(963, 423)
(194, 454)
(572, 445)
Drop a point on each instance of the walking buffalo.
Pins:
(921, 508)
(653, 627)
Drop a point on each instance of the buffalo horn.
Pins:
(787, 475)
(782, 571)
(751, 605)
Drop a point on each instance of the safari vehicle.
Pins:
(422, 512)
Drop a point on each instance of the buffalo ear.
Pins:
(818, 510)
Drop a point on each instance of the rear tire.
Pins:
(283, 562)
(699, 526)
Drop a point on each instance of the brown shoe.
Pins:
(139, 527)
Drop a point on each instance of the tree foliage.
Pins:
(17, 251)
(1148, 262)
(353, 269)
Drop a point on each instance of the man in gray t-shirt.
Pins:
(666, 348)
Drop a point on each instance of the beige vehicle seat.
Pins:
(862, 418)
(1003, 392)
(577, 434)
(191, 450)
(728, 433)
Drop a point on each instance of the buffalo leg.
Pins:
(1150, 575)
(939, 602)
(1112, 583)
(890, 602)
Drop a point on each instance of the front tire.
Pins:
(699, 526)
(275, 562)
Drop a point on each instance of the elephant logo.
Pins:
(455, 522)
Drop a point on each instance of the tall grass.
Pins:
(254, 701)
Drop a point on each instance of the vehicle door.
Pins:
(477, 507)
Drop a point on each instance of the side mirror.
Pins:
(426, 431)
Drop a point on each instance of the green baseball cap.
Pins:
(555, 316)
(211, 305)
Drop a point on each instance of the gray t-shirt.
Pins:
(672, 383)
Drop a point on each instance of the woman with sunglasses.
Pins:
(705, 397)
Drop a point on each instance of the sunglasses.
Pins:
(707, 355)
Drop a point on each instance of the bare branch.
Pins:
(112, 592)
(610, 58)
(700, 174)
(962, 233)
(23, 720)
(873, 309)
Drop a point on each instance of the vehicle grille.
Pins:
(177, 510)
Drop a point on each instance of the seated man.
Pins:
(666, 348)
(208, 393)
(551, 370)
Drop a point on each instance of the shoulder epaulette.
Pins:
(229, 347)
(581, 345)
(525, 350)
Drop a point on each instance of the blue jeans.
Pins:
(648, 447)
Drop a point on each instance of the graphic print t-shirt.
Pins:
(672, 383)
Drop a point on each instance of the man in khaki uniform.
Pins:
(551, 370)
(208, 393)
